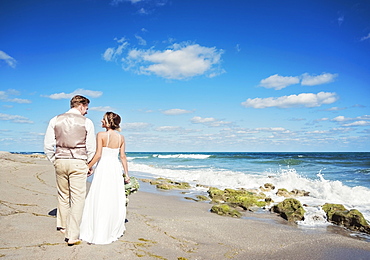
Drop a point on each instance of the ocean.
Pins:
(329, 177)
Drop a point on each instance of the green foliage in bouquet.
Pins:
(132, 187)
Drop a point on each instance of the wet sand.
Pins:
(160, 225)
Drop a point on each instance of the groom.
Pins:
(69, 144)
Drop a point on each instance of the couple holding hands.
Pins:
(70, 144)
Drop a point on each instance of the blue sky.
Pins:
(190, 75)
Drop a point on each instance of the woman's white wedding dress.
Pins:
(104, 215)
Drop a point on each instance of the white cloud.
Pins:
(102, 109)
(143, 11)
(297, 119)
(358, 123)
(179, 61)
(341, 119)
(111, 54)
(341, 130)
(365, 37)
(108, 54)
(13, 92)
(4, 96)
(366, 117)
(304, 99)
(200, 120)
(209, 121)
(140, 40)
(80, 91)
(318, 132)
(8, 59)
(116, 2)
(19, 100)
(359, 106)
(335, 109)
(144, 7)
(137, 126)
(278, 82)
(15, 119)
(272, 129)
(324, 78)
(176, 111)
(169, 128)
(340, 20)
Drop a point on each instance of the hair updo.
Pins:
(112, 121)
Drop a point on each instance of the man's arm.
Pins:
(90, 139)
(49, 141)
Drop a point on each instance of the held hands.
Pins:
(90, 172)
(127, 179)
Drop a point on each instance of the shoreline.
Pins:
(161, 225)
(262, 215)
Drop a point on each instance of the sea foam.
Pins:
(183, 156)
(320, 190)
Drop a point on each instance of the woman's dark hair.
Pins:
(112, 120)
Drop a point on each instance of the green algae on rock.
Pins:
(202, 198)
(245, 199)
(294, 193)
(197, 198)
(351, 219)
(290, 209)
(225, 210)
(283, 192)
(164, 186)
(216, 194)
(167, 184)
(267, 187)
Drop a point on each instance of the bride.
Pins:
(104, 215)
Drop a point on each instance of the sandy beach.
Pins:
(160, 225)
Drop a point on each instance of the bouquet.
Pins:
(132, 187)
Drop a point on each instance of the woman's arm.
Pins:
(97, 155)
(124, 160)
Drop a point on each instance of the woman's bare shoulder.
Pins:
(101, 134)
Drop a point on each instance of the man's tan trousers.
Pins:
(71, 177)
